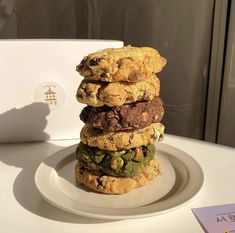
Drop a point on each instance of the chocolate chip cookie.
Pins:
(98, 94)
(99, 182)
(114, 141)
(129, 116)
(128, 64)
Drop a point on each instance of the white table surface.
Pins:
(22, 209)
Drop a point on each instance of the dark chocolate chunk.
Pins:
(94, 62)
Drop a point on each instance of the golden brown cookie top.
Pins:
(121, 140)
(130, 64)
(98, 94)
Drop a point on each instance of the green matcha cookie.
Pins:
(125, 163)
(100, 182)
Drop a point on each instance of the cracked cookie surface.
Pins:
(130, 64)
(129, 116)
(114, 141)
(99, 182)
(98, 94)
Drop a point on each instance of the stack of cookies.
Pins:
(122, 120)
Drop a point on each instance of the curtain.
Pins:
(180, 30)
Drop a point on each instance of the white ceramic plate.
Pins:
(181, 179)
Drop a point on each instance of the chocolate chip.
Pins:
(103, 75)
(119, 64)
(145, 150)
(82, 170)
(90, 94)
(99, 182)
(134, 76)
(94, 62)
(110, 138)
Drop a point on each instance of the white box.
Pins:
(38, 84)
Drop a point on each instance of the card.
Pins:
(216, 219)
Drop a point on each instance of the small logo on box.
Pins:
(50, 93)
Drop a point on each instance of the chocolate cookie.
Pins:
(98, 94)
(128, 64)
(99, 182)
(114, 141)
(129, 116)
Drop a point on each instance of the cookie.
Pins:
(129, 116)
(99, 182)
(98, 94)
(129, 64)
(114, 141)
(125, 163)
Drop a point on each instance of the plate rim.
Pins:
(163, 147)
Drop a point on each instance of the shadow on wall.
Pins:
(24, 124)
